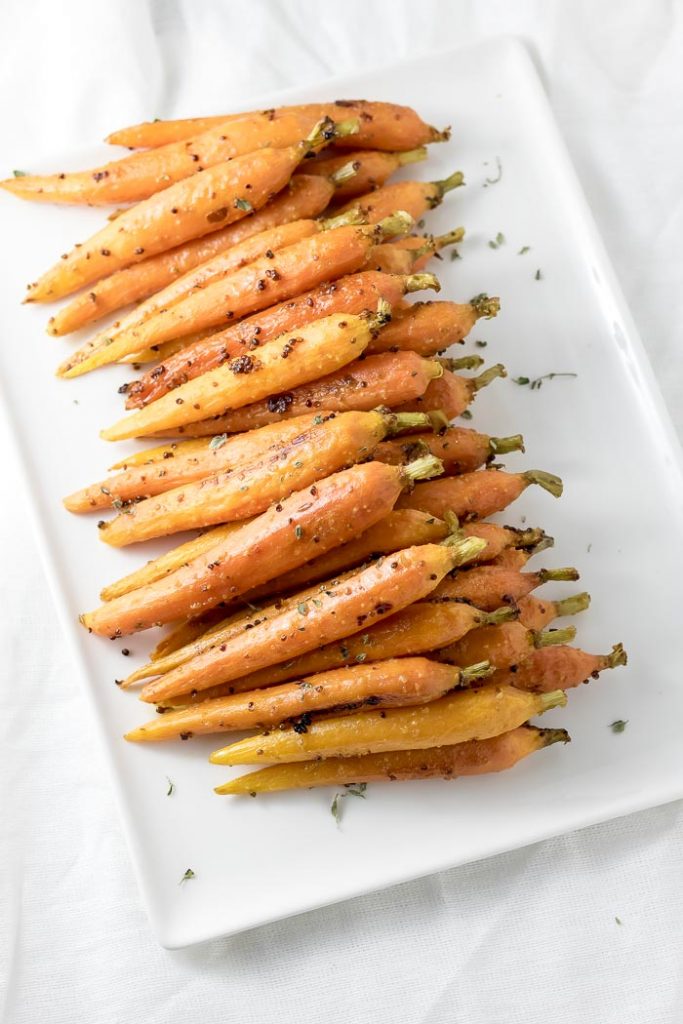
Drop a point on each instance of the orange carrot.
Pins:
(397, 683)
(456, 718)
(289, 360)
(137, 177)
(372, 168)
(249, 489)
(432, 327)
(288, 534)
(411, 254)
(189, 208)
(418, 629)
(477, 495)
(415, 197)
(386, 379)
(461, 450)
(267, 280)
(556, 668)
(305, 196)
(489, 586)
(453, 394)
(369, 594)
(504, 644)
(382, 125)
(351, 294)
(537, 612)
(474, 757)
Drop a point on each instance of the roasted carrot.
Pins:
(305, 196)
(456, 718)
(505, 644)
(382, 125)
(186, 461)
(556, 668)
(431, 327)
(408, 255)
(402, 528)
(386, 379)
(453, 394)
(256, 247)
(288, 534)
(267, 280)
(461, 450)
(372, 168)
(136, 177)
(251, 487)
(397, 683)
(537, 612)
(351, 294)
(489, 586)
(474, 757)
(415, 197)
(190, 208)
(368, 595)
(477, 495)
(418, 629)
(174, 559)
(289, 360)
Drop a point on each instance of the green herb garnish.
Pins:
(218, 441)
(20, 174)
(466, 414)
(538, 276)
(188, 874)
(302, 608)
(524, 250)
(537, 383)
(494, 181)
(171, 786)
(355, 789)
(298, 532)
(619, 725)
(243, 204)
(498, 241)
(481, 344)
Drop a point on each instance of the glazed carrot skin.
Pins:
(504, 644)
(401, 528)
(461, 450)
(477, 495)
(556, 668)
(381, 125)
(474, 757)
(256, 247)
(385, 684)
(289, 360)
(415, 197)
(537, 613)
(305, 196)
(369, 594)
(249, 489)
(459, 717)
(372, 168)
(489, 586)
(288, 534)
(385, 379)
(188, 209)
(268, 280)
(187, 461)
(418, 629)
(138, 176)
(351, 294)
(431, 327)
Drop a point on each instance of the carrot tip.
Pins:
(548, 481)
(616, 657)
(487, 376)
(505, 614)
(554, 699)
(573, 605)
(563, 575)
(503, 445)
(549, 736)
(462, 363)
(479, 671)
(485, 306)
(419, 282)
(553, 637)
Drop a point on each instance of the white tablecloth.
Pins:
(587, 928)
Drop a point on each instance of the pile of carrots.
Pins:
(343, 596)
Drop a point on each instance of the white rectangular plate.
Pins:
(605, 432)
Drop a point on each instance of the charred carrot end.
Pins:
(572, 605)
(548, 481)
(488, 376)
(564, 575)
(421, 282)
(504, 445)
(551, 637)
(532, 538)
(476, 757)
(485, 307)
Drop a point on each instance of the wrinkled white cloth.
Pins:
(585, 928)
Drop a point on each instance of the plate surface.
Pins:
(606, 432)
